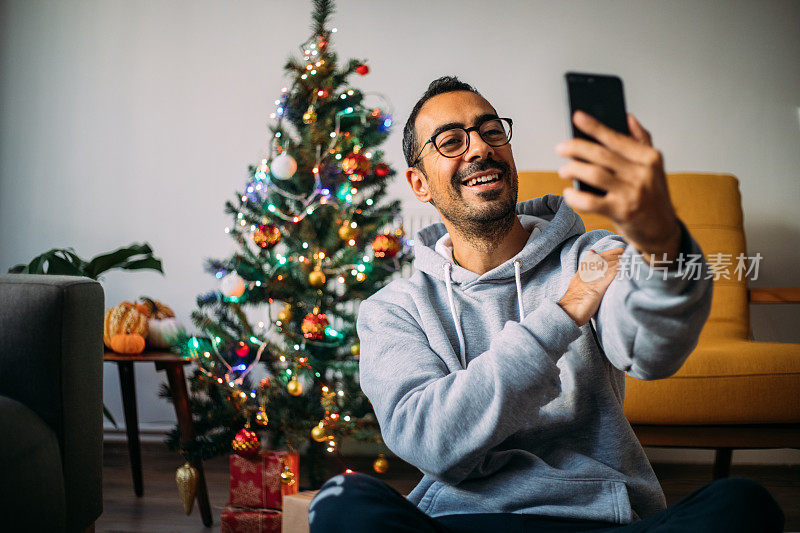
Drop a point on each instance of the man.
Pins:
(498, 367)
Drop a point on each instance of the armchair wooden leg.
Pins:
(89, 529)
(722, 463)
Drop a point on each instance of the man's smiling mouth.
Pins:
(483, 178)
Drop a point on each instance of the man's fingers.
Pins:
(592, 152)
(633, 149)
(592, 174)
(585, 201)
(638, 132)
(613, 254)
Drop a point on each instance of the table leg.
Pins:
(180, 399)
(128, 386)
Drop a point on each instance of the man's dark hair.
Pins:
(445, 84)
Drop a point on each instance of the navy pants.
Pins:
(358, 503)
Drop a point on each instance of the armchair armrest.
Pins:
(51, 360)
(775, 295)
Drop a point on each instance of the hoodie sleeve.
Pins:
(650, 318)
(444, 422)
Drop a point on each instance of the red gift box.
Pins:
(257, 482)
(247, 520)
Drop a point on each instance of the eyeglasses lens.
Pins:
(454, 142)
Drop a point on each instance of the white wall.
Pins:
(135, 121)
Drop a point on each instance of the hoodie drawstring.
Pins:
(456, 319)
(517, 266)
(448, 281)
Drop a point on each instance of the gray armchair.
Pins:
(51, 411)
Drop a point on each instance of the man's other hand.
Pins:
(589, 284)
(632, 173)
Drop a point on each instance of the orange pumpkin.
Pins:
(123, 318)
(154, 309)
(127, 343)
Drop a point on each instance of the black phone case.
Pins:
(601, 96)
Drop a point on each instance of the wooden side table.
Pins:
(173, 366)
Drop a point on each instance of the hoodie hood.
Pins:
(549, 219)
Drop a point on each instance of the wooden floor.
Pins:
(160, 510)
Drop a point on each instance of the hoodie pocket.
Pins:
(588, 499)
(584, 499)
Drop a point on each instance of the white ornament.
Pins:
(283, 167)
(232, 285)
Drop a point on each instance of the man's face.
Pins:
(444, 180)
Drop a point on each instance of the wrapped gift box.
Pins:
(248, 520)
(295, 511)
(257, 482)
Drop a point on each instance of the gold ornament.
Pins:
(261, 417)
(310, 115)
(355, 349)
(347, 232)
(285, 315)
(381, 465)
(318, 433)
(186, 477)
(316, 277)
(294, 387)
(287, 476)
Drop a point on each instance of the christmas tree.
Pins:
(313, 238)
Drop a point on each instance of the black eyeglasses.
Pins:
(454, 142)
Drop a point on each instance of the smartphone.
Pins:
(602, 97)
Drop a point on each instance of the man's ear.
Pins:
(419, 184)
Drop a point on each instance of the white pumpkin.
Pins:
(163, 332)
(163, 327)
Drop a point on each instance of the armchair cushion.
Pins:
(723, 382)
(31, 464)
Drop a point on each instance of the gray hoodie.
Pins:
(487, 386)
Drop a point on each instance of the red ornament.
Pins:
(314, 325)
(386, 246)
(246, 443)
(243, 349)
(362, 69)
(266, 235)
(356, 165)
(382, 170)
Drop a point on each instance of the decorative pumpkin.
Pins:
(123, 318)
(154, 309)
(162, 327)
(127, 343)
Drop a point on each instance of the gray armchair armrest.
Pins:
(51, 361)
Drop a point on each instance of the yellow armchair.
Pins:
(732, 392)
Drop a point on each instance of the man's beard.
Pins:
(486, 223)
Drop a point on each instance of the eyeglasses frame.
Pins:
(477, 128)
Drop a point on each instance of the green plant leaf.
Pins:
(148, 262)
(127, 258)
(108, 415)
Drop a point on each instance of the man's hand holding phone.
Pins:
(632, 173)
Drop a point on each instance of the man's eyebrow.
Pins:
(450, 125)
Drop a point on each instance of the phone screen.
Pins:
(603, 98)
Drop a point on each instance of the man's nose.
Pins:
(478, 149)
